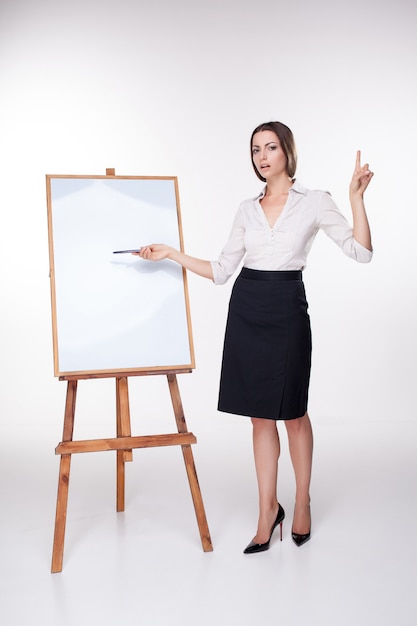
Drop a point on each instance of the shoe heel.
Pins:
(280, 531)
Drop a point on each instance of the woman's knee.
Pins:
(298, 424)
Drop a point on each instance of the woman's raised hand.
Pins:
(361, 177)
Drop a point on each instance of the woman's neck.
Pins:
(278, 186)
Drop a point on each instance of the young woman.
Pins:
(267, 348)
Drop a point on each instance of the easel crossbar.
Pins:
(125, 443)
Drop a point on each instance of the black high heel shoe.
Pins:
(254, 547)
(298, 539)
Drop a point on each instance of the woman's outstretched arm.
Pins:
(160, 251)
(360, 180)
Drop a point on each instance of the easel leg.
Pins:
(63, 481)
(190, 465)
(123, 430)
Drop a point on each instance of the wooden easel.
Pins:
(123, 443)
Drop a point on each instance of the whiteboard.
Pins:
(116, 312)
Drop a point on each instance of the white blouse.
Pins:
(287, 244)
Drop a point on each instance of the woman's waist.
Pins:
(274, 275)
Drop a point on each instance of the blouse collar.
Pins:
(296, 188)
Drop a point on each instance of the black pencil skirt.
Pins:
(267, 348)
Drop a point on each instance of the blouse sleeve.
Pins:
(336, 226)
(232, 253)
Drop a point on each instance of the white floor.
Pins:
(146, 566)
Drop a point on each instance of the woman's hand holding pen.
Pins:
(154, 252)
(160, 251)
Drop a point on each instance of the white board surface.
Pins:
(111, 311)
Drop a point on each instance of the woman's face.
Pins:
(267, 154)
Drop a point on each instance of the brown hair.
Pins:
(286, 140)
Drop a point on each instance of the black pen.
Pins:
(127, 251)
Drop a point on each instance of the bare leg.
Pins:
(266, 448)
(300, 439)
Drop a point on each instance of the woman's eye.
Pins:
(272, 147)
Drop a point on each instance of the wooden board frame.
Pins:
(89, 217)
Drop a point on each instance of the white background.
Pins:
(167, 88)
(176, 88)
